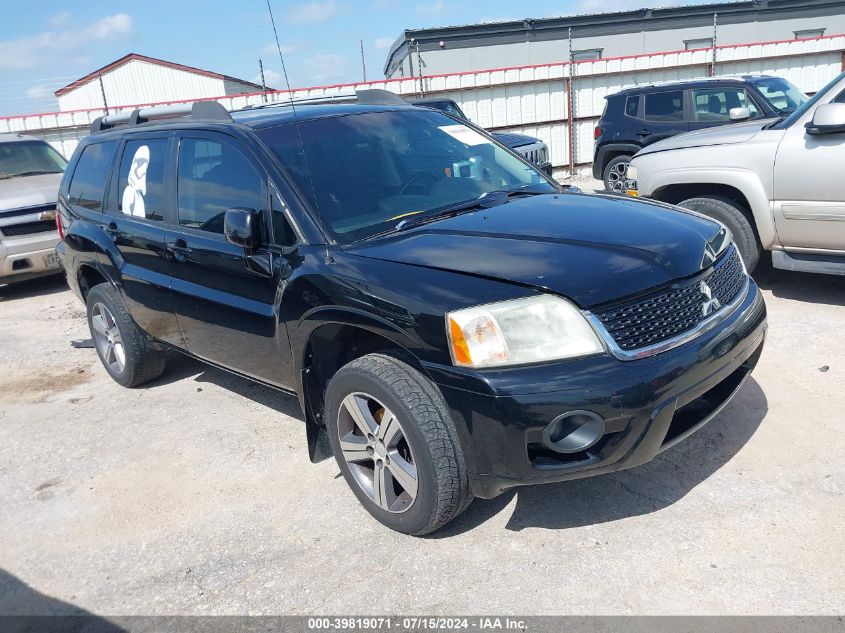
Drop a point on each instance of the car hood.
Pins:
(513, 140)
(29, 191)
(720, 135)
(590, 248)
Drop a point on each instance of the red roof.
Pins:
(152, 60)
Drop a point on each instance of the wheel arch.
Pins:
(747, 194)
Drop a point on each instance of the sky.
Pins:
(51, 43)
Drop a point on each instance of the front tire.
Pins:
(616, 174)
(732, 216)
(396, 445)
(124, 349)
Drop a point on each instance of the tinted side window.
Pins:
(213, 177)
(715, 104)
(632, 106)
(89, 178)
(665, 106)
(142, 178)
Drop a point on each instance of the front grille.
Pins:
(670, 312)
(28, 228)
(13, 213)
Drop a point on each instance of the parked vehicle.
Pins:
(532, 149)
(30, 172)
(776, 184)
(451, 323)
(637, 117)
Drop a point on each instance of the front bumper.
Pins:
(647, 405)
(30, 256)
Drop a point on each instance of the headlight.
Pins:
(631, 186)
(521, 331)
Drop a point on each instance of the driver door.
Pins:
(225, 308)
(809, 188)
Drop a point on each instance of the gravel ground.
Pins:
(195, 496)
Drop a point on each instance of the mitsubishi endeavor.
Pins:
(452, 323)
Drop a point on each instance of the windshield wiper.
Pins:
(777, 121)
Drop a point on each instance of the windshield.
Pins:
(781, 94)
(797, 114)
(369, 171)
(29, 158)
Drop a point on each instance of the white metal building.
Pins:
(134, 79)
(600, 36)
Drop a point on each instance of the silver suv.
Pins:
(30, 173)
(777, 185)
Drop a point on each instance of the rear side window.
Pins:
(141, 178)
(665, 106)
(632, 106)
(88, 184)
(715, 104)
(214, 176)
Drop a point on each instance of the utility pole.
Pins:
(420, 70)
(263, 83)
(103, 92)
(715, 33)
(570, 107)
(363, 63)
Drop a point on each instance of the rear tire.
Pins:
(616, 174)
(733, 216)
(365, 399)
(124, 349)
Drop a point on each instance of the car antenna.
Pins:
(636, 83)
(329, 259)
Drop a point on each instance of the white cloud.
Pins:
(30, 51)
(59, 19)
(272, 79)
(431, 9)
(313, 12)
(271, 49)
(326, 67)
(39, 91)
(383, 43)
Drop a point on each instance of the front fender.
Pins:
(746, 181)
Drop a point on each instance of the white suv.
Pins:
(777, 185)
(30, 173)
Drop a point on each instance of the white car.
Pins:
(30, 173)
(778, 185)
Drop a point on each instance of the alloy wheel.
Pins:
(375, 448)
(107, 338)
(617, 177)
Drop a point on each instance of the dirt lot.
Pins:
(195, 495)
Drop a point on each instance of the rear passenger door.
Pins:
(225, 305)
(140, 204)
(662, 116)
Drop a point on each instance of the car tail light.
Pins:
(59, 226)
(597, 133)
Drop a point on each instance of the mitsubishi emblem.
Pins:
(711, 303)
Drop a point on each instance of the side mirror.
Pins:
(241, 228)
(739, 114)
(827, 119)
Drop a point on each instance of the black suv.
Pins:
(451, 323)
(637, 117)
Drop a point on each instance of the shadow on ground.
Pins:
(641, 490)
(38, 287)
(805, 287)
(23, 609)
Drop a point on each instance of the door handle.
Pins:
(179, 249)
(644, 132)
(113, 232)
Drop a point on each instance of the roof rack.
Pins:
(198, 111)
(365, 97)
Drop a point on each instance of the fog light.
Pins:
(573, 431)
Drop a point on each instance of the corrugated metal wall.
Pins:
(533, 99)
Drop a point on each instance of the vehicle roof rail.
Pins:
(196, 111)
